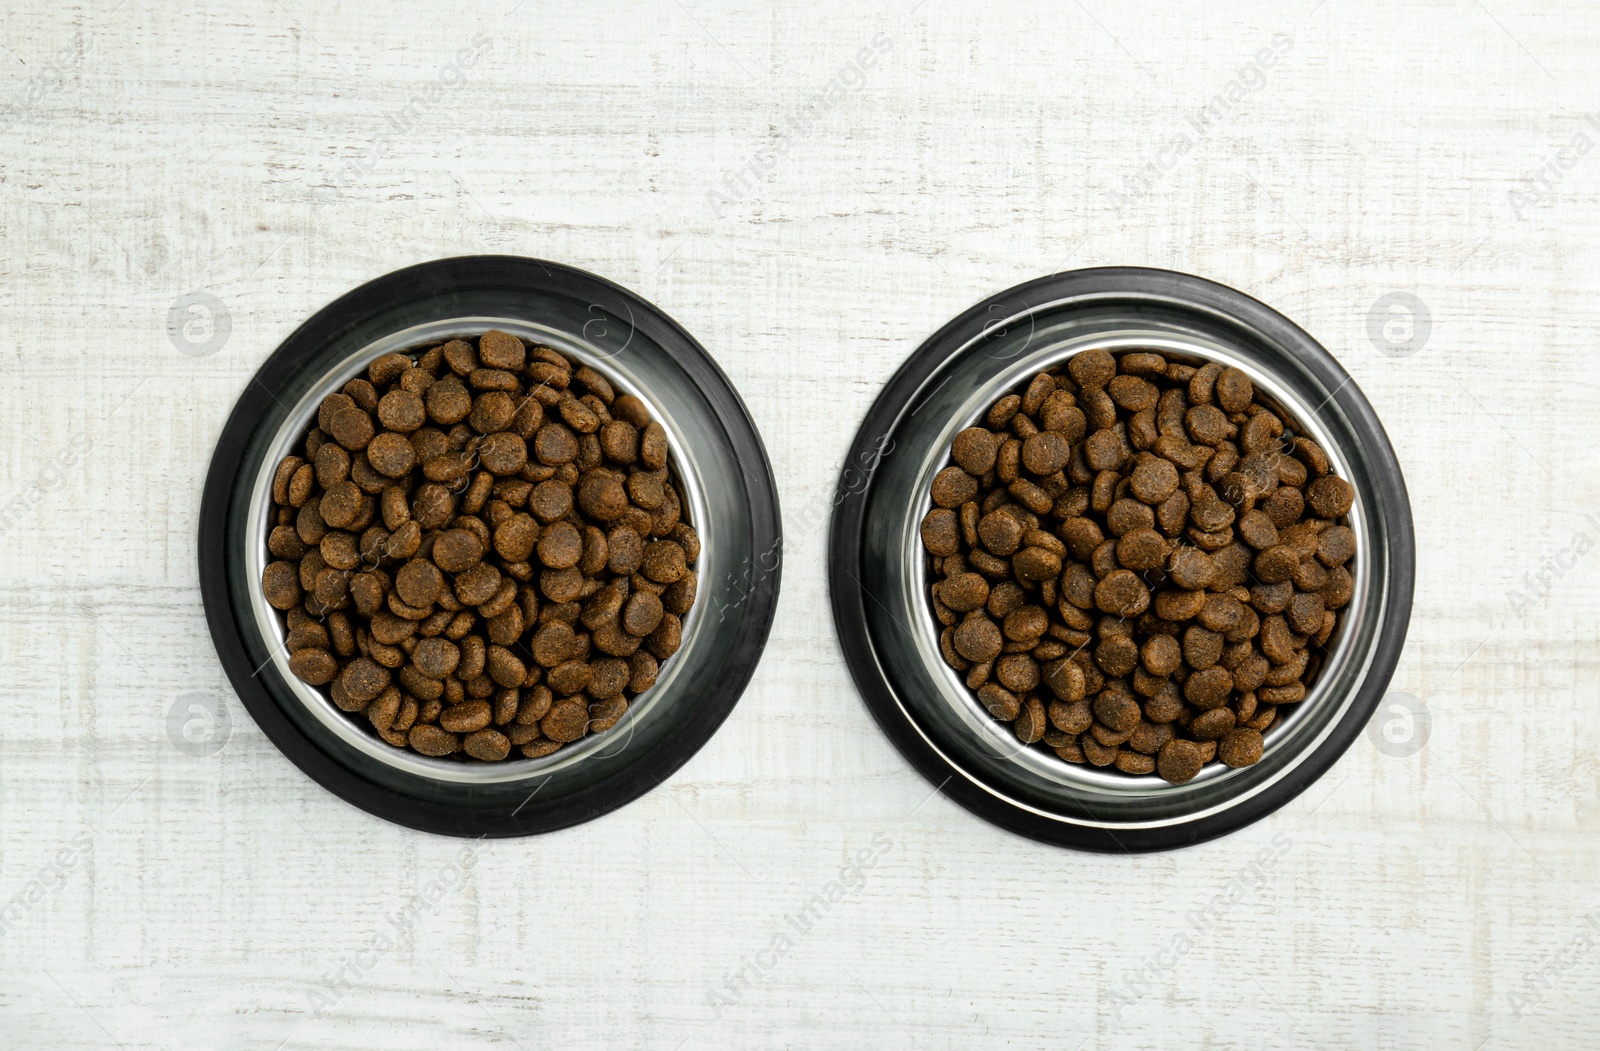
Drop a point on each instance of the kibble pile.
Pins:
(1135, 563)
(482, 549)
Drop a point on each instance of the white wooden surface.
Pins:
(265, 153)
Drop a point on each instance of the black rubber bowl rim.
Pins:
(652, 766)
(849, 603)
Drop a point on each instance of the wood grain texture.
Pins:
(267, 154)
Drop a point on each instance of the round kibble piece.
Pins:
(664, 561)
(391, 455)
(567, 721)
(491, 746)
(419, 583)
(975, 449)
(642, 613)
(978, 639)
(602, 496)
(953, 487)
(1122, 593)
(1330, 496)
(560, 546)
(280, 582)
(316, 667)
(1046, 452)
(1154, 480)
(1240, 747)
(364, 679)
(503, 453)
(456, 550)
(1142, 549)
(402, 411)
(1179, 760)
(964, 592)
(1234, 390)
(555, 445)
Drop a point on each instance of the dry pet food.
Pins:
(1136, 563)
(482, 549)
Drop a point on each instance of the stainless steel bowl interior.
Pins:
(684, 464)
(933, 696)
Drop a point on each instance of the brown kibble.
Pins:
(964, 592)
(978, 639)
(447, 401)
(1276, 564)
(491, 746)
(419, 583)
(975, 449)
(280, 582)
(1179, 761)
(619, 441)
(457, 550)
(566, 721)
(1336, 545)
(1208, 689)
(1190, 568)
(668, 636)
(314, 666)
(1046, 453)
(1330, 496)
(555, 445)
(1000, 532)
(1240, 747)
(467, 717)
(1066, 680)
(1122, 593)
(1207, 425)
(1161, 655)
(941, 534)
(436, 658)
(1305, 613)
(363, 679)
(1092, 368)
(1024, 624)
(503, 453)
(1030, 724)
(402, 411)
(501, 350)
(664, 561)
(1211, 725)
(653, 446)
(642, 613)
(514, 540)
(391, 454)
(560, 546)
(1132, 393)
(550, 500)
(953, 487)
(1136, 763)
(602, 496)
(1142, 549)
(432, 741)
(1234, 390)
(1036, 564)
(1118, 711)
(1098, 754)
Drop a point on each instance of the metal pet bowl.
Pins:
(879, 579)
(716, 457)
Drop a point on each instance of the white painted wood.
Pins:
(166, 151)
